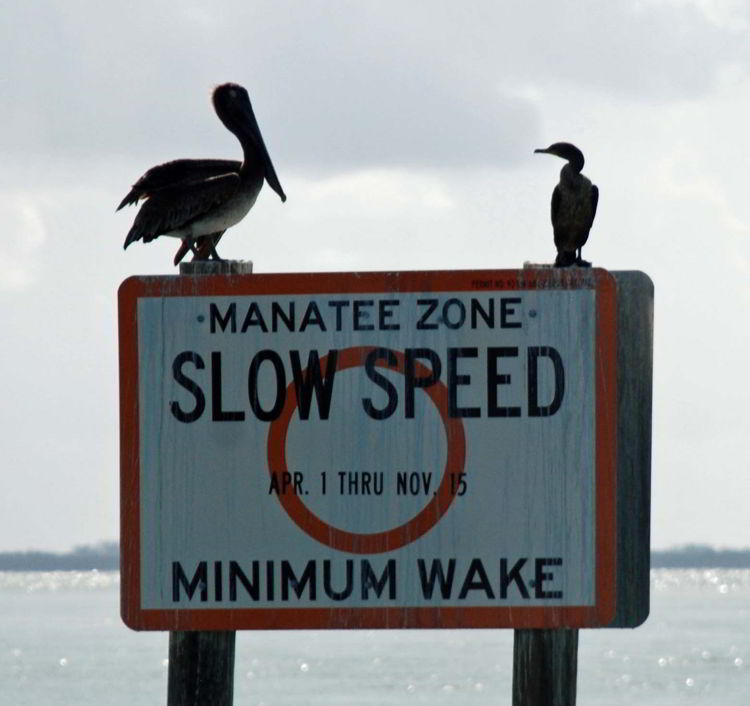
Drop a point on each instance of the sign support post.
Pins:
(201, 664)
(545, 662)
(545, 666)
(201, 668)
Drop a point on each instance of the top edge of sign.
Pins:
(529, 278)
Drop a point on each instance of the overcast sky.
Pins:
(403, 134)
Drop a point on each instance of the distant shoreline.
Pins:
(697, 556)
(106, 557)
(103, 557)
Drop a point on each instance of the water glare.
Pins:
(693, 648)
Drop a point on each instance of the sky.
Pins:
(403, 135)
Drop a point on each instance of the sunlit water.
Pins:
(62, 642)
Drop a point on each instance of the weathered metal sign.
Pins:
(408, 449)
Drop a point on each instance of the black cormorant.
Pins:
(574, 202)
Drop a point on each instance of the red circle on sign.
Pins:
(397, 537)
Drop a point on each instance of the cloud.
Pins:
(24, 233)
(390, 193)
(340, 85)
(729, 15)
(403, 133)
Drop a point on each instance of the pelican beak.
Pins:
(270, 172)
(273, 180)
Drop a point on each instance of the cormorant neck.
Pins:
(570, 174)
(576, 161)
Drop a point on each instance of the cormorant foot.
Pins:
(582, 263)
(565, 259)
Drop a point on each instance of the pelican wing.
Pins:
(178, 173)
(175, 207)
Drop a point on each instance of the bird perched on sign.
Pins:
(196, 200)
(574, 202)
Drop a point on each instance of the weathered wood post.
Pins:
(201, 664)
(201, 668)
(545, 662)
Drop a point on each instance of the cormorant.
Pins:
(196, 200)
(574, 202)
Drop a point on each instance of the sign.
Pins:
(368, 450)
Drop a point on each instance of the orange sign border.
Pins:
(598, 615)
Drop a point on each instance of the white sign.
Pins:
(415, 449)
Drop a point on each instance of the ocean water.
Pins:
(62, 643)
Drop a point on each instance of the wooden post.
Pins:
(201, 664)
(545, 662)
(201, 668)
(545, 666)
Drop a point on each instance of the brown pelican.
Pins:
(574, 203)
(196, 200)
